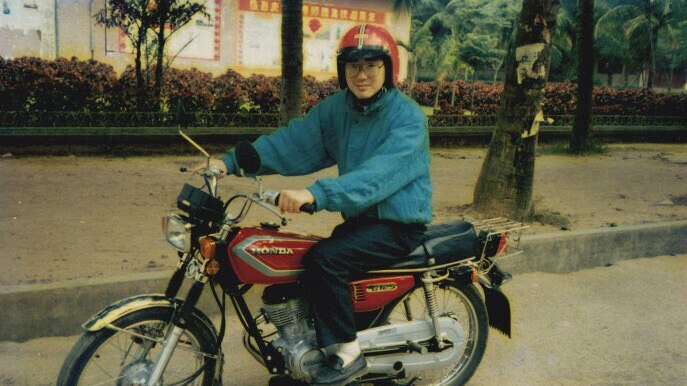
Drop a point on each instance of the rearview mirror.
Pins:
(247, 157)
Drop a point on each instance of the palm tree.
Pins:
(446, 62)
(505, 183)
(419, 49)
(643, 21)
(580, 140)
(291, 101)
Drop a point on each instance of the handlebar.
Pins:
(269, 196)
(273, 198)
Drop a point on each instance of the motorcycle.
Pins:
(422, 321)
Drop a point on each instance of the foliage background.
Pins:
(32, 85)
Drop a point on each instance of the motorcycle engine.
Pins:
(286, 307)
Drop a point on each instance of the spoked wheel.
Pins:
(463, 304)
(125, 356)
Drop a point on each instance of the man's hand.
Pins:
(290, 201)
(218, 163)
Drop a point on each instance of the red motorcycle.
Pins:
(422, 321)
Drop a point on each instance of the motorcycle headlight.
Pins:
(177, 232)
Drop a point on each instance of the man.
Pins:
(378, 139)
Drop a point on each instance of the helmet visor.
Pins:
(367, 53)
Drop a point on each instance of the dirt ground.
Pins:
(64, 218)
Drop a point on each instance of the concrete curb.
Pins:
(31, 311)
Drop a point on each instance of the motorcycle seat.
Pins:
(442, 244)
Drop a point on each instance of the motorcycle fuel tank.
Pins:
(264, 255)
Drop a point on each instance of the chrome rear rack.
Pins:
(497, 227)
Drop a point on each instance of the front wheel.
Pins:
(125, 355)
(463, 303)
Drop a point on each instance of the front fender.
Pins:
(124, 307)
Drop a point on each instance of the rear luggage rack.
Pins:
(491, 230)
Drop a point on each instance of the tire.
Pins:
(112, 357)
(462, 302)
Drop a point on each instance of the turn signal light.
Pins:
(211, 268)
(208, 247)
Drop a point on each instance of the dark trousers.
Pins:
(356, 246)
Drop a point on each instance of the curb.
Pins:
(37, 310)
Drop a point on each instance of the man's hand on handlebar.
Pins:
(214, 162)
(291, 201)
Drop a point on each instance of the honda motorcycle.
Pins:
(422, 321)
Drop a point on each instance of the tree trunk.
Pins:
(412, 75)
(290, 105)
(162, 11)
(505, 184)
(436, 95)
(140, 85)
(581, 138)
(652, 57)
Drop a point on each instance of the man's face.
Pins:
(365, 77)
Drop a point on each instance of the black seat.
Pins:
(445, 243)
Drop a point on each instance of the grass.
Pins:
(549, 217)
(563, 148)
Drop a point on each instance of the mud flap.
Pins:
(498, 308)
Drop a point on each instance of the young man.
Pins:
(378, 139)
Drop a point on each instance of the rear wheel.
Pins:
(462, 303)
(126, 355)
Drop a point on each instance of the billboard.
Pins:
(259, 32)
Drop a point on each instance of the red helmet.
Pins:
(368, 41)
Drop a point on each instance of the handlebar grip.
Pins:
(306, 208)
(309, 208)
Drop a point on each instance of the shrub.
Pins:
(315, 91)
(263, 93)
(189, 87)
(34, 84)
(31, 84)
(127, 91)
(229, 92)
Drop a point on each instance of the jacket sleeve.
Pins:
(294, 150)
(401, 158)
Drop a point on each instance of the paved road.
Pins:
(618, 325)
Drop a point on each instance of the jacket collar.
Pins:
(376, 105)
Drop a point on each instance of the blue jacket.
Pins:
(382, 155)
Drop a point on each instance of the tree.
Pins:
(291, 103)
(134, 18)
(505, 183)
(419, 49)
(169, 17)
(643, 21)
(581, 138)
(446, 63)
(480, 49)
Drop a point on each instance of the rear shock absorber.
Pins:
(432, 305)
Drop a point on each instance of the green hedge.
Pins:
(92, 94)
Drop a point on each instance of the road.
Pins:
(619, 325)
